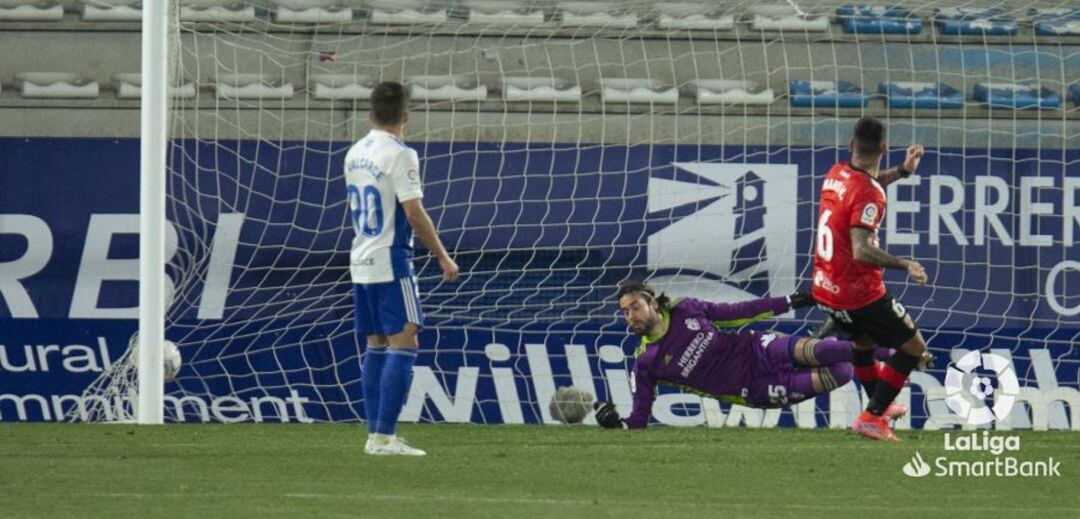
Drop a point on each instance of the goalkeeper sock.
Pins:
(827, 351)
(394, 387)
(371, 368)
(831, 377)
(865, 370)
(893, 376)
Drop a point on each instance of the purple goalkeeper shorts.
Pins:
(774, 383)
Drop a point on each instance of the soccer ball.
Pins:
(571, 405)
(172, 359)
(170, 356)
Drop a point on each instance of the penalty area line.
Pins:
(639, 503)
(757, 505)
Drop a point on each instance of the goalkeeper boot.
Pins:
(393, 446)
(874, 427)
(895, 411)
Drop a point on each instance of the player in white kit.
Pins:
(383, 176)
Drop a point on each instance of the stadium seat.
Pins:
(1016, 96)
(446, 88)
(128, 85)
(782, 17)
(974, 21)
(837, 94)
(56, 85)
(1059, 28)
(310, 11)
(216, 11)
(111, 10)
(874, 19)
(340, 86)
(909, 94)
(251, 86)
(407, 12)
(504, 12)
(1055, 22)
(691, 16)
(637, 90)
(610, 15)
(729, 92)
(540, 89)
(31, 11)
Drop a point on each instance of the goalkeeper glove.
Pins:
(800, 300)
(607, 417)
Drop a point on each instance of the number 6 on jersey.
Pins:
(825, 237)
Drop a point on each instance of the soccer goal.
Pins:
(568, 146)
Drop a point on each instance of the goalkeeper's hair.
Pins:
(639, 287)
(389, 102)
(869, 136)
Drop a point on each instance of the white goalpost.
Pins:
(153, 147)
(566, 147)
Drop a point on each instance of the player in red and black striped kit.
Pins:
(848, 265)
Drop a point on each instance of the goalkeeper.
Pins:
(681, 345)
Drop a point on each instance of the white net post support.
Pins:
(151, 384)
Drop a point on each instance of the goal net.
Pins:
(568, 146)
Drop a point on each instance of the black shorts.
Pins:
(885, 320)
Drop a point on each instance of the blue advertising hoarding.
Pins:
(542, 231)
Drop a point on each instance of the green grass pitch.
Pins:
(56, 470)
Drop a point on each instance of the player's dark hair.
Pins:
(389, 102)
(646, 291)
(869, 136)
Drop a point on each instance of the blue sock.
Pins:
(394, 388)
(371, 368)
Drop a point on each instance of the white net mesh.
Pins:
(567, 147)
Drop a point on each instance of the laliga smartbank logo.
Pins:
(968, 386)
(916, 468)
(966, 391)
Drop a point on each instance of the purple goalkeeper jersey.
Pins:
(694, 354)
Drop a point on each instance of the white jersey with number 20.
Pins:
(381, 173)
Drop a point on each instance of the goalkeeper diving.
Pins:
(682, 345)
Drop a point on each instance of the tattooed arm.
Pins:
(864, 249)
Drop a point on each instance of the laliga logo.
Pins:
(980, 388)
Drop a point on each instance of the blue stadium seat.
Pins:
(840, 94)
(872, 19)
(904, 94)
(1016, 96)
(1056, 22)
(969, 21)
